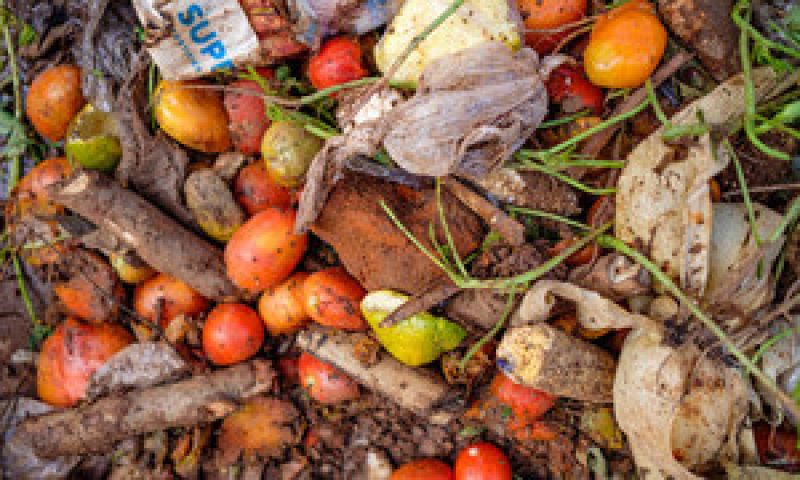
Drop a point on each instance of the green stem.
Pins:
(551, 216)
(564, 120)
(748, 204)
(616, 244)
(15, 165)
(651, 96)
(450, 241)
(769, 124)
(324, 93)
(566, 179)
(748, 29)
(23, 290)
(772, 341)
(791, 216)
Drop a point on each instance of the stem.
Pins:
(748, 29)
(567, 179)
(772, 341)
(324, 93)
(551, 216)
(23, 290)
(564, 120)
(450, 241)
(616, 244)
(791, 215)
(748, 204)
(491, 333)
(15, 166)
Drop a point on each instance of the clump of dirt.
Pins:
(374, 250)
(759, 169)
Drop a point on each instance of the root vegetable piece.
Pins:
(164, 297)
(265, 250)
(212, 204)
(97, 427)
(157, 239)
(545, 358)
(374, 250)
(53, 99)
(332, 298)
(255, 190)
(248, 117)
(261, 426)
(194, 117)
(415, 389)
(282, 307)
(92, 291)
(233, 332)
(70, 356)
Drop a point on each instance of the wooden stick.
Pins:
(95, 428)
(547, 359)
(511, 230)
(415, 389)
(420, 303)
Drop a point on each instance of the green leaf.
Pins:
(39, 333)
(27, 35)
(471, 431)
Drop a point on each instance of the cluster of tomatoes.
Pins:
(478, 461)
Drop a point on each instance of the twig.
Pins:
(767, 189)
(511, 230)
(491, 333)
(420, 303)
(572, 36)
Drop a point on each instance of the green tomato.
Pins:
(288, 149)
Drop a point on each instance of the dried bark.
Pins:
(96, 427)
(160, 241)
(511, 230)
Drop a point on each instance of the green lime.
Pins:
(92, 140)
(415, 341)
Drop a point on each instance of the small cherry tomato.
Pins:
(525, 402)
(548, 15)
(338, 61)
(625, 46)
(482, 461)
(424, 468)
(255, 190)
(167, 296)
(233, 332)
(53, 100)
(282, 307)
(324, 382)
(332, 298)
(569, 86)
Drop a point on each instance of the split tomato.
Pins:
(549, 15)
(569, 87)
(324, 382)
(233, 332)
(338, 61)
(482, 461)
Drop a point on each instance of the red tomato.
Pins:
(549, 14)
(233, 332)
(53, 100)
(264, 251)
(626, 46)
(569, 86)
(526, 403)
(324, 382)
(332, 298)
(338, 61)
(482, 461)
(255, 190)
(424, 469)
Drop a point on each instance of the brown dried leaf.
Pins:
(262, 425)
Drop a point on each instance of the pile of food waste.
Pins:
(400, 239)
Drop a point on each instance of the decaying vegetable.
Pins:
(288, 149)
(324, 382)
(476, 22)
(212, 204)
(164, 297)
(91, 290)
(53, 100)
(262, 426)
(282, 308)
(680, 409)
(255, 190)
(331, 298)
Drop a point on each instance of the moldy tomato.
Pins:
(625, 46)
(548, 15)
(424, 468)
(338, 61)
(482, 461)
(332, 298)
(255, 190)
(233, 332)
(324, 382)
(53, 100)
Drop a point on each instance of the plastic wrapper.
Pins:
(317, 19)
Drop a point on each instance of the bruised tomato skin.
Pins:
(332, 298)
(549, 14)
(525, 402)
(338, 61)
(625, 46)
(424, 468)
(569, 86)
(247, 115)
(324, 382)
(233, 332)
(265, 250)
(71, 354)
(168, 296)
(282, 307)
(255, 190)
(53, 100)
(482, 461)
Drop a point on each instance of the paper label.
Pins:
(192, 38)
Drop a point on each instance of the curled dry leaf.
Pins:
(262, 426)
(139, 365)
(679, 409)
(663, 200)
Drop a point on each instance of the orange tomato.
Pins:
(194, 117)
(233, 332)
(53, 100)
(482, 461)
(31, 191)
(255, 190)
(424, 468)
(549, 14)
(93, 291)
(168, 296)
(625, 46)
(282, 307)
(332, 298)
(338, 61)
(265, 250)
(70, 356)
(324, 382)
